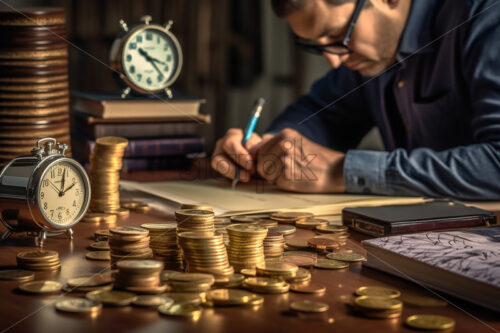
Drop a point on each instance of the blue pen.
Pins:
(252, 122)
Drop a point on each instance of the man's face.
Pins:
(373, 42)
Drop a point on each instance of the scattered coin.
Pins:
(378, 291)
(378, 303)
(299, 260)
(112, 297)
(90, 280)
(309, 306)
(430, 322)
(152, 301)
(228, 297)
(19, 275)
(323, 243)
(284, 229)
(311, 223)
(330, 228)
(344, 256)
(180, 310)
(331, 264)
(142, 208)
(266, 285)
(79, 305)
(100, 246)
(99, 255)
(41, 287)
(308, 288)
(290, 217)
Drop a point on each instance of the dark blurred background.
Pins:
(234, 52)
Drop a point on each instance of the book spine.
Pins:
(142, 130)
(177, 146)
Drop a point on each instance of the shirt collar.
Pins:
(418, 29)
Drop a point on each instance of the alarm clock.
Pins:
(44, 193)
(147, 58)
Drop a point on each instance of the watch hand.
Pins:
(66, 190)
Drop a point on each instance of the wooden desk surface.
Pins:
(25, 313)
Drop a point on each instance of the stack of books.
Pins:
(163, 133)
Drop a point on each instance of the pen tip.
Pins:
(260, 102)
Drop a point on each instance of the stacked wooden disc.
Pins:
(34, 97)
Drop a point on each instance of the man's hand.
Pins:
(229, 151)
(297, 164)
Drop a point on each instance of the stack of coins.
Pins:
(38, 260)
(105, 166)
(190, 282)
(140, 276)
(163, 243)
(290, 217)
(205, 252)
(194, 220)
(378, 302)
(277, 270)
(311, 223)
(274, 245)
(130, 243)
(246, 248)
(34, 98)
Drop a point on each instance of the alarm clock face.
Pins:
(151, 59)
(61, 193)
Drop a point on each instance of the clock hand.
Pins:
(53, 186)
(66, 190)
(151, 60)
(62, 181)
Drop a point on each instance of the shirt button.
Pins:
(401, 84)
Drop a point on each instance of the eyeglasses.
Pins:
(338, 48)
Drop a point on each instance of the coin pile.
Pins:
(277, 269)
(34, 97)
(378, 302)
(266, 285)
(140, 276)
(130, 243)
(190, 282)
(38, 260)
(88, 283)
(274, 244)
(163, 243)
(105, 166)
(205, 252)
(194, 220)
(246, 248)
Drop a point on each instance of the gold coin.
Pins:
(248, 272)
(180, 310)
(93, 217)
(98, 255)
(311, 223)
(330, 228)
(142, 208)
(378, 303)
(309, 306)
(285, 230)
(378, 291)
(112, 141)
(78, 305)
(130, 204)
(184, 297)
(344, 256)
(247, 228)
(192, 277)
(20, 275)
(90, 280)
(229, 296)
(277, 267)
(100, 246)
(308, 288)
(41, 287)
(290, 216)
(127, 230)
(323, 243)
(37, 255)
(301, 261)
(196, 206)
(144, 266)
(152, 301)
(111, 297)
(430, 322)
(331, 264)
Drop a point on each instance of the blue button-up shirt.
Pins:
(437, 108)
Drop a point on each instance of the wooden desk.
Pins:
(25, 313)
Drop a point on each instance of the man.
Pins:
(426, 73)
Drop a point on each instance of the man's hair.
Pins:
(283, 8)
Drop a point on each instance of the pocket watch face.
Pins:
(150, 59)
(61, 193)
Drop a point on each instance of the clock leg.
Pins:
(40, 239)
(69, 232)
(125, 92)
(169, 93)
(6, 235)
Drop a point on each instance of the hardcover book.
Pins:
(461, 263)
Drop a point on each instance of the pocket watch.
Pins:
(43, 193)
(147, 57)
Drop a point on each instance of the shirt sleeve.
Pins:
(469, 172)
(332, 114)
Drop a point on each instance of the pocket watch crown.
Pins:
(146, 19)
